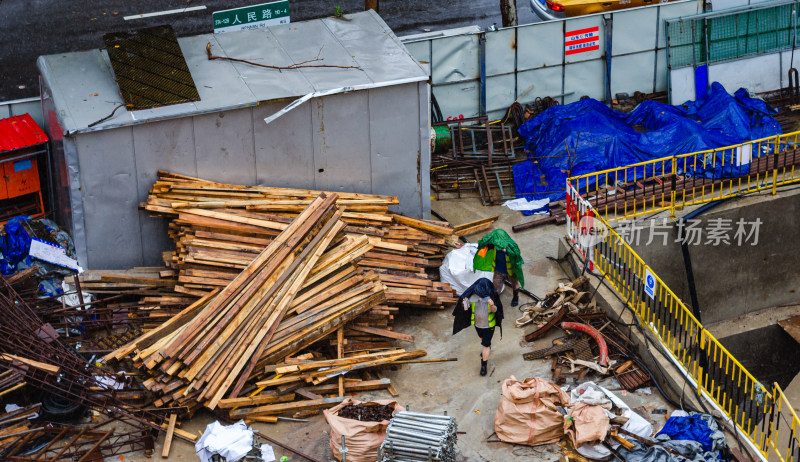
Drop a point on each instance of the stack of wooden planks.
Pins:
(219, 228)
(300, 288)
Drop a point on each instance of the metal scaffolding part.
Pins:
(412, 436)
(70, 377)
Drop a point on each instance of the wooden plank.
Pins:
(266, 397)
(339, 354)
(308, 394)
(423, 225)
(173, 418)
(49, 368)
(364, 385)
(392, 390)
(272, 409)
(382, 332)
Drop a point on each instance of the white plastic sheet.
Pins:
(524, 205)
(232, 442)
(457, 269)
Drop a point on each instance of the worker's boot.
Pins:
(483, 366)
(515, 299)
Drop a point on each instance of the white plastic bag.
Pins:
(232, 442)
(457, 269)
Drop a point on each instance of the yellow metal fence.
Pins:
(670, 183)
(763, 416)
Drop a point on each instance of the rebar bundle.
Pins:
(412, 436)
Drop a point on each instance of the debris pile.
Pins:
(68, 384)
(593, 344)
(413, 436)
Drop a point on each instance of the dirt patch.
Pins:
(360, 412)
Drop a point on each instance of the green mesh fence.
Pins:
(714, 37)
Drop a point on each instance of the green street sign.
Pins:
(251, 17)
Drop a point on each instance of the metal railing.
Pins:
(670, 183)
(764, 417)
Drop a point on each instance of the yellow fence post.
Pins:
(674, 180)
(775, 166)
(699, 379)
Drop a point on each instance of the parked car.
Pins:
(558, 9)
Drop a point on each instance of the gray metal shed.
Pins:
(362, 130)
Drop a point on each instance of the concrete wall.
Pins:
(733, 280)
(769, 353)
(372, 141)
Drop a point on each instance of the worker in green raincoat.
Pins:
(498, 253)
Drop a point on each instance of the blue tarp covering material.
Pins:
(15, 244)
(691, 427)
(600, 138)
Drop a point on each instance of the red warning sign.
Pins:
(582, 40)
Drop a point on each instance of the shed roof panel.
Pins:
(361, 40)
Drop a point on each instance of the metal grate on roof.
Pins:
(150, 68)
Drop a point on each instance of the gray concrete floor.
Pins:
(455, 387)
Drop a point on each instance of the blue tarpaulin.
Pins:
(600, 138)
(692, 427)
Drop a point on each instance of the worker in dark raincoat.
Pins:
(498, 253)
(480, 306)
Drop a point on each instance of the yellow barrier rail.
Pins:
(765, 418)
(670, 183)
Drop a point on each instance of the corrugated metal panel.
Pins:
(268, 84)
(456, 58)
(501, 48)
(540, 45)
(222, 85)
(341, 142)
(109, 211)
(20, 132)
(394, 154)
(633, 32)
(224, 146)
(168, 145)
(585, 22)
(286, 160)
(632, 72)
(150, 68)
(32, 106)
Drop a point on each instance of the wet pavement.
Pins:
(30, 28)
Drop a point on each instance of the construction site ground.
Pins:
(455, 387)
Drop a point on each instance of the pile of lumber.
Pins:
(218, 230)
(300, 288)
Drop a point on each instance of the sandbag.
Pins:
(587, 423)
(589, 392)
(361, 438)
(528, 412)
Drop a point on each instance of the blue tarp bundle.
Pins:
(600, 138)
(692, 427)
(15, 244)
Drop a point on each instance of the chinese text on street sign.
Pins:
(251, 17)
